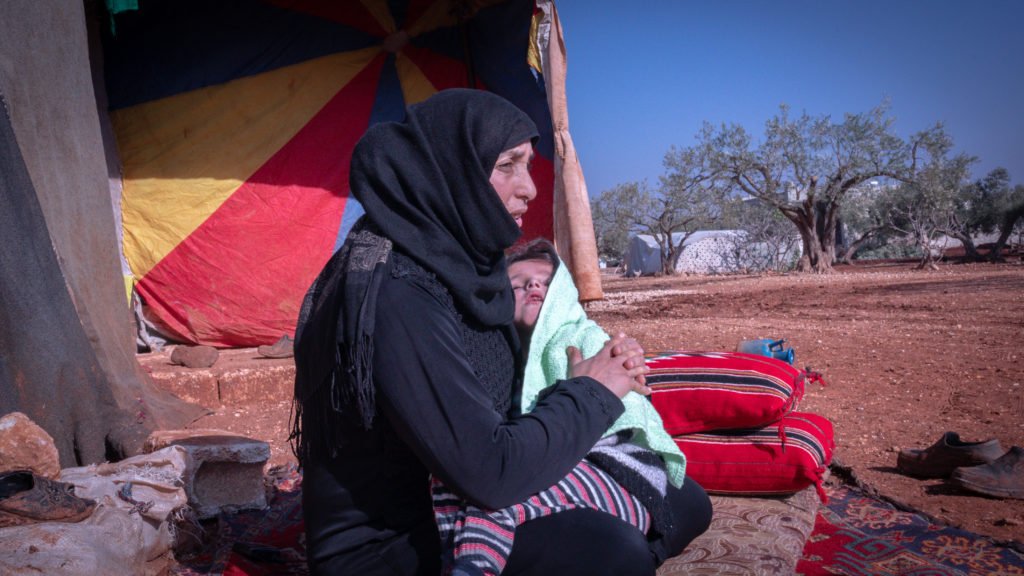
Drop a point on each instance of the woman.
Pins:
(406, 358)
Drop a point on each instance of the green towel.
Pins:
(562, 323)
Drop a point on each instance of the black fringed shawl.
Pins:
(425, 186)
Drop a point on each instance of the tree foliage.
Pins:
(805, 166)
(770, 241)
(1011, 208)
(916, 213)
(991, 204)
(818, 174)
(865, 220)
(613, 221)
(687, 199)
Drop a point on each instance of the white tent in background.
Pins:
(642, 256)
(712, 252)
(704, 252)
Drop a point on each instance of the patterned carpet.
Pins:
(858, 535)
(749, 535)
(256, 543)
(853, 535)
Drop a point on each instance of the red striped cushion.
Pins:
(700, 391)
(777, 459)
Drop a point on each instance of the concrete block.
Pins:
(225, 473)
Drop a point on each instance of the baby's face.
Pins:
(530, 280)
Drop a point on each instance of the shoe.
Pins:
(1003, 478)
(283, 348)
(940, 459)
(26, 498)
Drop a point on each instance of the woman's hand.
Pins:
(618, 373)
(633, 355)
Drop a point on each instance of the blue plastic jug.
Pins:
(767, 347)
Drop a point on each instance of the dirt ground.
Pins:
(906, 355)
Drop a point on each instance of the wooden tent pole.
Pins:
(574, 228)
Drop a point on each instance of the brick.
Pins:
(195, 386)
(254, 386)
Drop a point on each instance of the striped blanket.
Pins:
(483, 538)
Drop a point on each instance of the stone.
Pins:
(195, 356)
(225, 472)
(24, 445)
(160, 439)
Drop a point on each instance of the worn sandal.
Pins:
(26, 498)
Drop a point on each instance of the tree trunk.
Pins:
(1009, 221)
(666, 266)
(67, 351)
(817, 261)
(669, 265)
(847, 255)
(662, 253)
(970, 250)
(927, 258)
(674, 252)
(814, 258)
(827, 216)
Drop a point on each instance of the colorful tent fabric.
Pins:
(235, 121)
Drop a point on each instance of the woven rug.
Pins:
(256, 543)
(747, 536)
(855, 535)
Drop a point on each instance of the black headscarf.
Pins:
(425, 186)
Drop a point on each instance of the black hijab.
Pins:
(425, 186)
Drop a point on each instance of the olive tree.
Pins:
(865, 220)
(670, 213)
(1012, 210)
(688, 198)
(805, 166)
(915, 211)
(613, 224)
(939, 201)
(769, 241)
(987, 205)
(944, 181)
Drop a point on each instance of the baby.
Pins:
(635, 459)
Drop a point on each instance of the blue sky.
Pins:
(644, 75)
